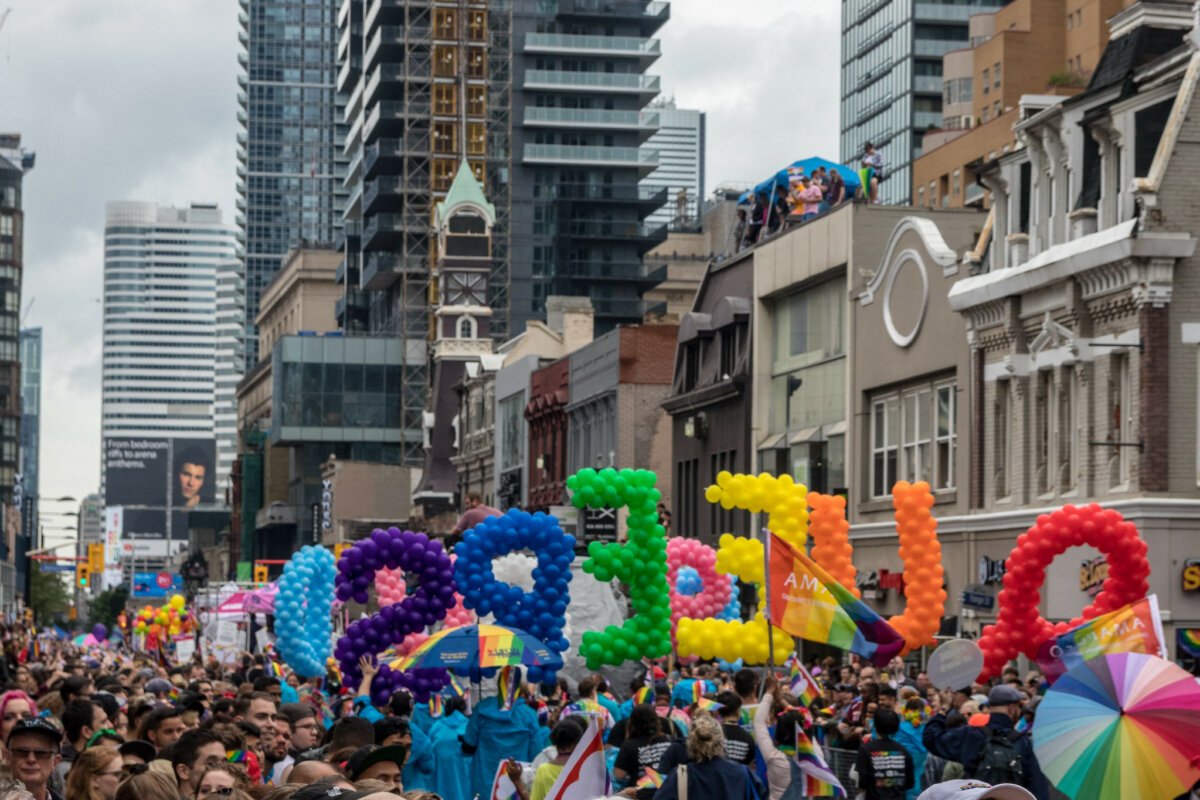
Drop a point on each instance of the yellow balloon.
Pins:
(177, 601)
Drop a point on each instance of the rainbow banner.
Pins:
(805, 601)
(819, 780)
(804, 685)
(1136, 628)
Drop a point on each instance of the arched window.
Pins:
(466, 328)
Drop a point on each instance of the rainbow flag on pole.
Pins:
(819, 780)
(651, 780)
(804, 685)
(805, 601)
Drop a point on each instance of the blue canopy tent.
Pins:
(809, 165)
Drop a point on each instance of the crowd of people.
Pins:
(118, 725)
(805, 197)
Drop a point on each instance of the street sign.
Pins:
(58, 567)
(978, 600)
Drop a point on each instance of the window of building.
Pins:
(920, 195)
(1043, 427)
(1078, 17)
(958, 181)
(1002, 438)
(1120, 415)
(984, 116)
(476, 101)
(476, 139)
(6, 224)
(1070, 21)
(729, 345)
(445, 61)
(915, 425)
(808, 370)
(885, 439)
(512, 411)
(476, 63)
(947, 436)
(466, 327)
(996, 110)
(445, 23)
(1067, 429)
(477, 26)
(445, 101)
(687, 479)
(445, 137)
(691, 365)
(443, 174)
(996, 75)
(987, 81)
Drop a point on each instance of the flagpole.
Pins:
(767, 599)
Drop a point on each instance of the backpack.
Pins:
(999, 761)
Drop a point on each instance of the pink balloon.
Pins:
(390, 586)
(459, 614)
(717, 588)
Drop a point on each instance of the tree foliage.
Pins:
(50, 596)
(105, 606)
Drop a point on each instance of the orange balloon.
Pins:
(830, 531)
(923, 573)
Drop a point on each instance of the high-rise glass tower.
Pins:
(290, 165)
(892, 78)
(161, 267)
(31, 410)
(679, 142)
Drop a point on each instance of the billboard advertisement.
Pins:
(156, 482)
(156, 584)
(114, 521)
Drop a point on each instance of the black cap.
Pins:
(36, 725)
(323, 791)
(139, 748)
(371, 754)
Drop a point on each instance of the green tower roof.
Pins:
(465, 189)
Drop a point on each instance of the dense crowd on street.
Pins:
(109, 724)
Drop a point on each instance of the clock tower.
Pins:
(462, 228)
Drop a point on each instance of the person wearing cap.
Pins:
(970, 745)
(975, 790)
(136, 752)
(379, 763)
(495, 733)
(33, 754)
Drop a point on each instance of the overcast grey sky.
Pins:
(136, 99)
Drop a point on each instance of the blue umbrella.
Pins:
(809, 165)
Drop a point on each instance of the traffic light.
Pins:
(260, 573)
(82, 575)
(96, 557)
(338, 548)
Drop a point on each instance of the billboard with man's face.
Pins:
(158, 478)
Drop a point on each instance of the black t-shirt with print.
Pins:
(739, 745)
(636, 755)
(885, 770)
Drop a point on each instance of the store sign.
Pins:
(991, 570)
(1191, 575)
(326, 507)
(1092, 575)
(980, 600)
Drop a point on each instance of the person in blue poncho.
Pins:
(495, 733)
(451, 767)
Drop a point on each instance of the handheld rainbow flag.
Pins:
(708, 705)
(436, 708)
(643, 695)
(651, 780)
(277, 669)
(804, 685)
(819, 780)
(508, 687)
(807, 602)
(456, 686)
(697, 691)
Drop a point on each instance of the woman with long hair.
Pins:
(95, 775)
(643, 747)
(710, 776)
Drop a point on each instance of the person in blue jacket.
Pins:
(966, 745)
(494, 734)
(451, 768)
(418, 769)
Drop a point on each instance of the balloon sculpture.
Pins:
(830, 531)
(641, 563)
(541, 611)
(697, 590)
(158, 625)
(1019, 627)
(410, 552)
(302, 611)
(924, 591)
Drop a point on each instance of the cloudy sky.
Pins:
(136, 99)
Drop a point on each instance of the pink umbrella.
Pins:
(90, 641)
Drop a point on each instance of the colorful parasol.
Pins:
(1118, 726)
(484, 646)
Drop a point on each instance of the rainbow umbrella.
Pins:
(1119, 726)
(483, 646)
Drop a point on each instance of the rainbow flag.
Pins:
(436, 708)
(807, 602)
(456, 686)
(277, 669)
(508, 687)
(650, 780)
(1135, 628)
(804, 685)
(173, 695)
(643, 695)
(708, 705)
(819, 780)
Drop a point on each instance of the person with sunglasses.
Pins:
(95, 775)
(33, 753)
